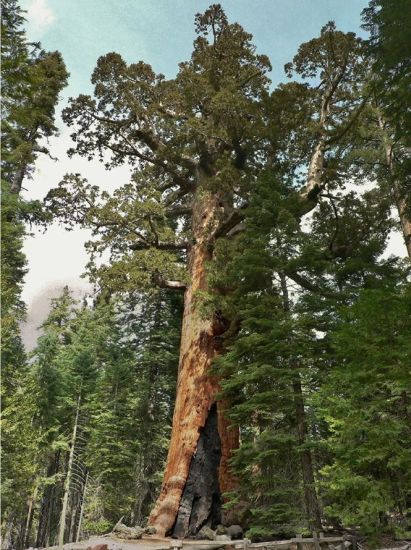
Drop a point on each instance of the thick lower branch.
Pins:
(143, 245)
(160, 281)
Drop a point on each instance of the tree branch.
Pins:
(228, 225)
(144, 245)
(159, 280)
(179, 211)
(148, 138)
(308, 285)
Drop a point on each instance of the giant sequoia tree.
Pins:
(197, 144)
(192, 143)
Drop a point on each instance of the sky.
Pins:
(161, 33)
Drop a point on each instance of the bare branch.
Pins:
(227, 226)
(159, 280)
(312, 287)
(179, 211)
(144, 245)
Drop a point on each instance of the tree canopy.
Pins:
(241, 279)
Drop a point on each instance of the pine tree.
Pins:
(388, 47)
(365, 402)
(131, 409)
(31, 82)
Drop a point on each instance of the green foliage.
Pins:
(315, 362)
(389, 24)
(121, 360)
(132, 405)
(269, 351)
(31, 82)
(366, 405)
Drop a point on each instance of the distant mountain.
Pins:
(38, 310)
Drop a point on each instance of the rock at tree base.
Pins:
(150, 530)
(205, 533)
(235, 532)
(124, 532)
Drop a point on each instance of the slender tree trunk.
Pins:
(68, 478)
(310, 495)
(47, 505)
(18, 179)
(29, 519)
(199, 426)
(83, 502)
(312, 507)
(405, 222)
(399, 199)
(309, 194)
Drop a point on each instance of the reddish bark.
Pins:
(196, 387)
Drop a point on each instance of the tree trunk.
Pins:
(83, 502)
(68, 478)
(312, 507)
(199, 427)
(405, 222)
(399, 199)
(48, 504)
(29, 519)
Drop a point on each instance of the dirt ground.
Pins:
(145, 543)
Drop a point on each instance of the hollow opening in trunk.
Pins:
(200, 502)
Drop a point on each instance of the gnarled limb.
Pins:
(160, 281)
(144, 245)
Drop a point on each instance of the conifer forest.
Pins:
(244, 358)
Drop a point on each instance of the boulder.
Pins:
(221, 530)
(124, 532)
(150, 530)
(235, 532)
(205, 533)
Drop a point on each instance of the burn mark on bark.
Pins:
(200, 503)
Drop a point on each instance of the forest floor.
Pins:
(145, 543)
(153, 543)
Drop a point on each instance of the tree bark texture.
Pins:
(49, 506)
(29, 520)
(195, 399)
(83, 502)
(312, 507)
(399, 199)
(62, 527)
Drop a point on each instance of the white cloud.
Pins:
(39, 14)
(57, 257)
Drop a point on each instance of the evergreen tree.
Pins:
(131, 410)
(389, 49)
(366, 405)
(31, 83)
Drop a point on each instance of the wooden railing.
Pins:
(316, 542)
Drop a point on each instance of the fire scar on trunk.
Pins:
(196, 397)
